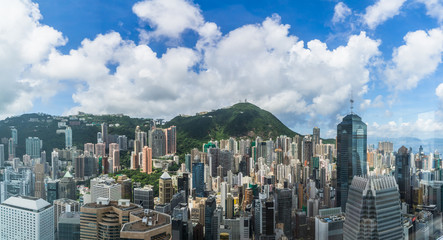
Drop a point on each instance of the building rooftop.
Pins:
(115, 204)
(332, 218)
(69, 217)
(149, 220)
(28, 203)
(165, 175)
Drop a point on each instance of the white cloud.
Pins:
(24, 41)
(426, 126)
(381, 11)
(417, 59)
(434, 8)
(341, 12)
(439, 91)
(169, 17)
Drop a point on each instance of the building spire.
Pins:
(352, 102)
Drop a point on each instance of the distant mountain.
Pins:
(239, 120)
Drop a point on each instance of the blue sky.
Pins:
(298, 59)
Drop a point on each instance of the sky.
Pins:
(301, 60)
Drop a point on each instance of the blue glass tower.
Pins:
(198, 181)
(351, 154)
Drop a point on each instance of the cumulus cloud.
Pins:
(427, 125)
(262, 62)
(439, 91)
(434, 8)
(417, 58)
(381, 11)
(24, 41)
(341, 12)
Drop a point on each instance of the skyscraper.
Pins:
(54, 162)
(14, 135)
(198, 178)
(315, 138)
(166, 189)
(403, 174)
(2, 155)
(147, 160)
(373, 209)
(157, 141)
(11, 149)
(105, 134)
(210, 206)
(39, 188)
(351, 154)
(33, 147)
(68, 137)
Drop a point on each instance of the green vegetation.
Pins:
(145, 179)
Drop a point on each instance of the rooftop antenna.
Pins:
(352, 102)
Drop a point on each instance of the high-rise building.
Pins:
(2, 155)
(147, 160)
(157, 141)
(351, 154)
(105, 139)
(64, 205)
(147, 224)
(33, 147)
(210, 206)
(68, 226)
(315, 138)
(39, 189)
(114, 152)
(67, 187)
(68, 137)
(122, 142)
(26, 218)
(100, 149)
(14, 136)
(403, 174)
(144, 197)
(141, 137)
(198, 178)
(214, 160)
(373, 209)
(166, 190)
(329, 224)
(11, 149)
(171, 140)
(54, 161)
(284, 210)
(52, 189)
(89, 149)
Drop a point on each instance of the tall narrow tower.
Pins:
(351, 154)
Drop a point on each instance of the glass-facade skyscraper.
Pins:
(351, 154)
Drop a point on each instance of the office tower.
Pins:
(198, 178)
(166, 189)
(223, 195)
(157, 141)
(144, 197)
(147, 225)
(39, 189)
(329, 224)
(315, 139)
(52, 187)
(14, 136)
(64, 205)
(385, 147)
(210, 206)
(68, 137)
(351, 154)
(403, 174)
(100, 149)
(11, 149)
(171, 140)
(183, 184)
(214, 160)
(147, 160)
(54, 163)
(226, 160)
(103, 219)
(105, 187)
(229, 212)
(373, 209)
(105, 139)
(181, 224)
(188, 162)
(264, 217)
(68, 226)
(26, 218)
(307, 151)
(67, 187)
(33, 147)
(284, 210)
(2, 155)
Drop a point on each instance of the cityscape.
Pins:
(221, 120)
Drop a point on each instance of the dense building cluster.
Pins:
(290, 187)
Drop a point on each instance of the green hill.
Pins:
(239, 120)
